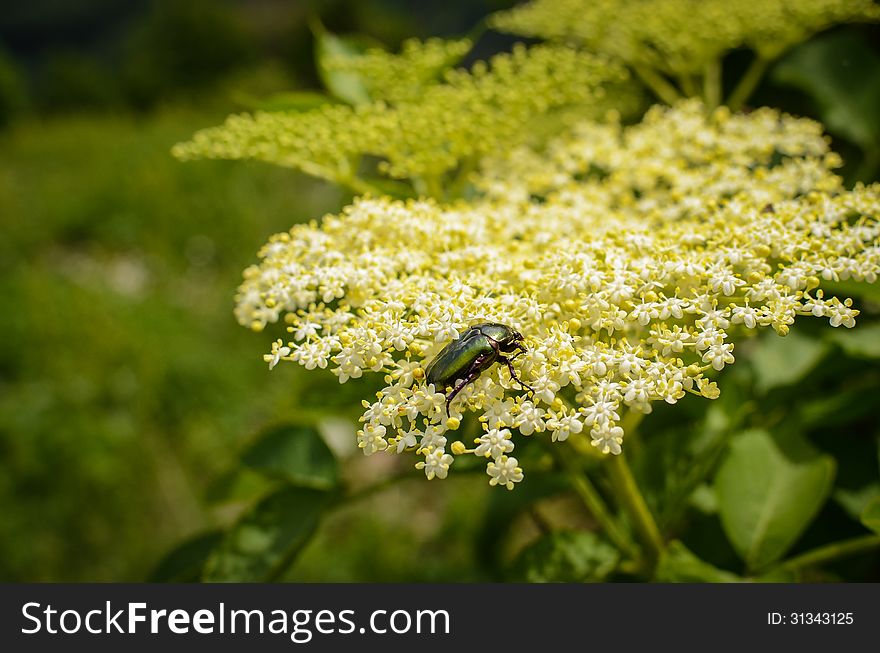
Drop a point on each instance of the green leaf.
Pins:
(780, 361)
(677, 460)
(266, 539)
(841, 71)
(566, 557)
(871, 515)
(854, 502)
(347, 86)
(769, 491)
(861, 342)
(853, 400)
(295, 453)
(184, 563)
(678, 564)
(238, 485)
(703, 498)
(777, 575)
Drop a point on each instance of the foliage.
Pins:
(121, 392)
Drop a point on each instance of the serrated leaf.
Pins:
(184, 563)
(861, 342)
(678, 564)
(266, 538)
(566, 557)
(769, 490)
(296, 453)
(841, 71)
(871, 515)
(347, 86)
(780, 361)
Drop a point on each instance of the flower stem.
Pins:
(633, 502)
(594, 503)
(748, 83)
(830, 552)
(658, 84)
(712, 87)
(687, 84)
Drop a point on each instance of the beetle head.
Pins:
(513, 342)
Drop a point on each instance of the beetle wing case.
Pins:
(455, 359)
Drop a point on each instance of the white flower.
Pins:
(372, 438)
(279, 351)
(530, 419)
(607, 439)
(312, 354)
(561, 426)
(433, 439)
(841, 313)
(307, 329)
(544, 388)
(499, 414)
(406, 440)
(601, 412)
(745, 315)
(504, 471)
(494, 443)
(719, 355)
(436, 463)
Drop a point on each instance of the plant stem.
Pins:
(360, 187)
(748, 83)
(428, 186)
(460, 181)
(594, 503)
(687, 84)
(658, 84)
(830, 552)
(712, 86)
(633, 502)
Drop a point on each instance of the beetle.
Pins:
(464, 359)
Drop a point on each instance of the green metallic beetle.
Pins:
(463, 360)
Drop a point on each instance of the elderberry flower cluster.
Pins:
(403, 76)
(680, 37)
(445, 126)
(630, 258)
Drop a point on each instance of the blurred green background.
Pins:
(127, 390)
(126, 386)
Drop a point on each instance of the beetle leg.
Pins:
(519, 353)
(513, 373)
(473, 372)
